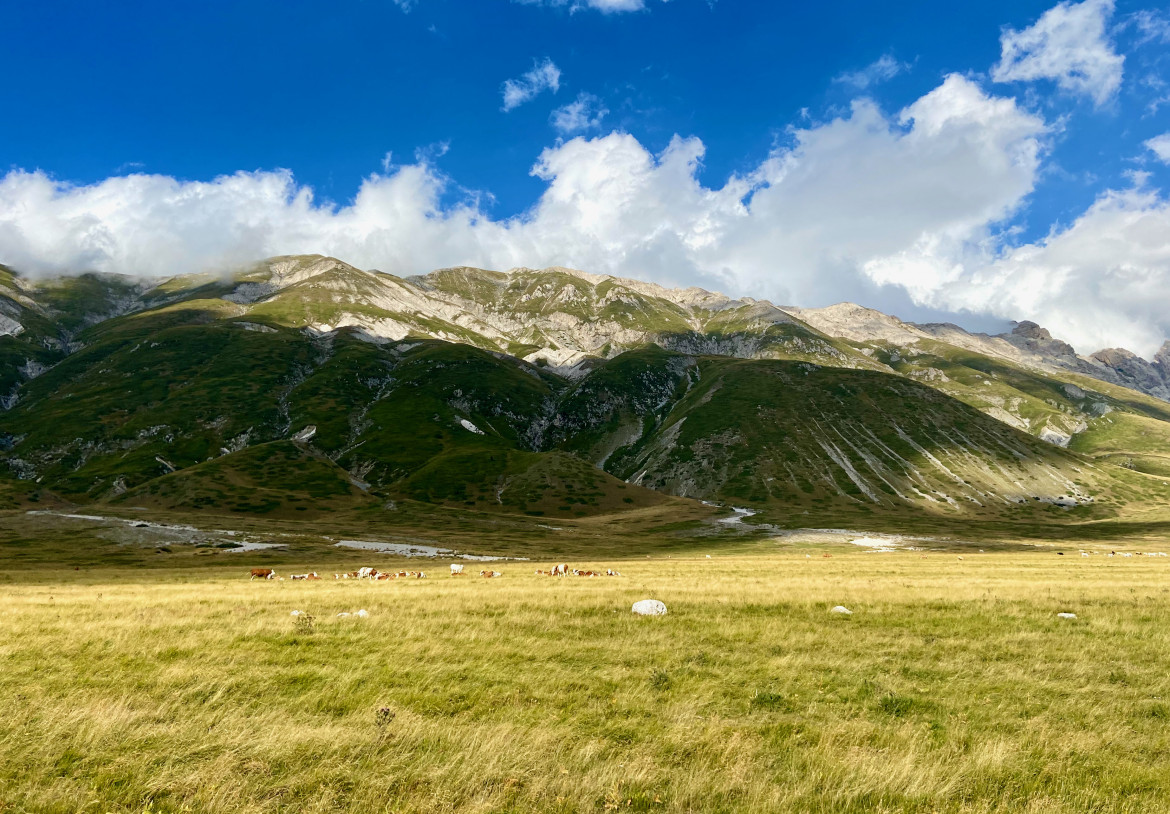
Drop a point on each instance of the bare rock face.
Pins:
(1029, 336)
(1133, 371)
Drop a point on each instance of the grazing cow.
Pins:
(559, 570)
(263, 573)
(367, 573)
(456, 570)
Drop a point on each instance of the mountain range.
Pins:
(302, 387)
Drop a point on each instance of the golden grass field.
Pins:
(953, 687)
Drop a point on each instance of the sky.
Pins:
(976, 163)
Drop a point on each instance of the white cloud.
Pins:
(1068, 44)
(583, 114)
(544, 76)
(882, 70)
(914, 202)
(405, 5)
(1103, 281)
(1152, 26)
(1160, 146)
(604, 6)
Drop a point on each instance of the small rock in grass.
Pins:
(649, 607)
(841, 609)
(297, 613)
(1066, 616)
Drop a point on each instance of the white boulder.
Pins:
(649, 607)
(841, 609)
(1066, 616)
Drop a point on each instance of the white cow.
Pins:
(456, 569)
(367, 573)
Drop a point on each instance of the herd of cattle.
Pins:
(562, 570)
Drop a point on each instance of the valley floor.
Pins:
(953, 687)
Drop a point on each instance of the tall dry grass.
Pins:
(952, 688)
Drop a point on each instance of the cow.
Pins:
(609, 572)
(310, 575)
(456, 570)
(263, 573)
(559, 570)
(490, 574)
(367, 573)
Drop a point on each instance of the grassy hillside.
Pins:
(552, 484)
(277, 479)
(813, 444)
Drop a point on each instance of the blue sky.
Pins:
(407, 101)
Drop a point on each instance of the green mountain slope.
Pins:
(548, 393)
(279, 479)
(824, 441)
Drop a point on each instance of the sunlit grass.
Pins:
(952, 687)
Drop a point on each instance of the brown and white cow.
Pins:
(262, 573)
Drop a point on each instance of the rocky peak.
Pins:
(1030, 330)
(1029, 336)
(1134, 371)
(1116, 357)
(1162, 358)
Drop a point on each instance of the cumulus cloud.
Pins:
(583, 114)
(1070, 45)
(882, 207)
(545, 75)
(882, 70)
(1160, 146)
(1103, 281)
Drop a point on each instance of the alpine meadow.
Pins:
(706, 407)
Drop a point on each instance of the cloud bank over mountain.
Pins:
(920, 206)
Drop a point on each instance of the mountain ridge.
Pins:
(477, 390)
